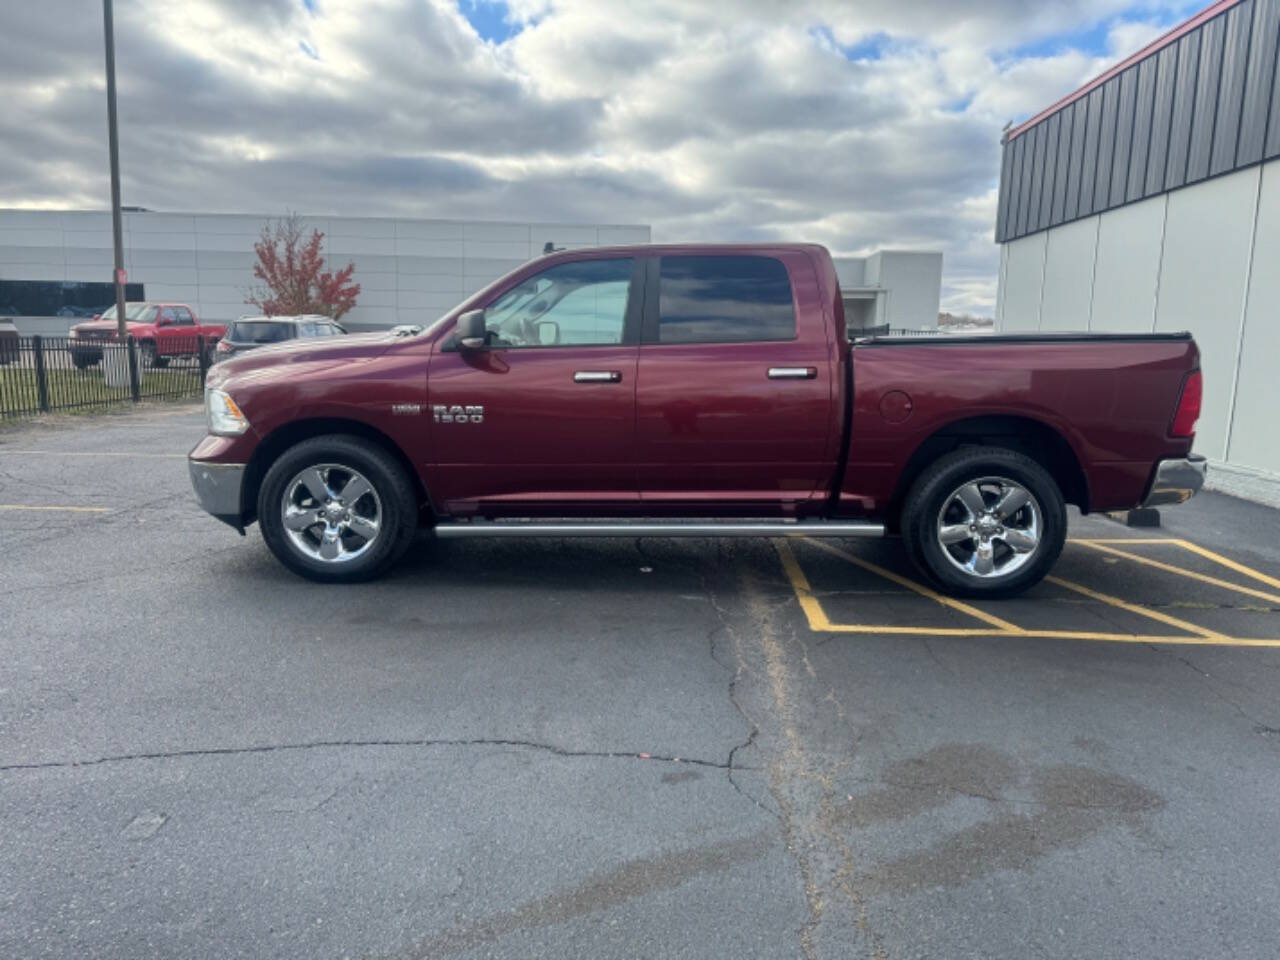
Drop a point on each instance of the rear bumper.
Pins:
(1176, 481)
(218, 488)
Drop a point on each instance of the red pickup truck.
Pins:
(161, 330)
(693, 391)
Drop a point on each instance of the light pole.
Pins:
(117, 218)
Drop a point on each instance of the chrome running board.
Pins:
(654, 528)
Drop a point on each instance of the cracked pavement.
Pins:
(596, 748)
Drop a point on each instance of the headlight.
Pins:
(226, 419)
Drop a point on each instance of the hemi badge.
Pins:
(406, 409)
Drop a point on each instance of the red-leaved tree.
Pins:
(292, 271)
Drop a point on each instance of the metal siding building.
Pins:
(1149, 200)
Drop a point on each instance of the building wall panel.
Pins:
(1261, 71)
(1166, 81)
(1023, 280)
(1128, 267)
(1255, 440)
(1144, 98)
(1205, 113)
(1068, 275)
(1079, 121)
(1062, 168)
(1208, 232)
(1106, 144)
(1235, 60)
(1092, 126)
(1125, 123)
(1050, 164)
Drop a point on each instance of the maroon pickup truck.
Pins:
(701, 391)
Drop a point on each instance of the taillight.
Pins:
(1184, 420)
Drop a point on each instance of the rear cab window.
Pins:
(723, 299)
(259, 331)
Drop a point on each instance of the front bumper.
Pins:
(218, 488)
(1176, 481)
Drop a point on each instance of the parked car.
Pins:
(694, 391)
(162, 331)
(248, 333)
(70, 311)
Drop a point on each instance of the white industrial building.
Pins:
(1149, 200)
(896, 288)
(409, 271)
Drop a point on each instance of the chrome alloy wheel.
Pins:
(331, 513)
(990, 527)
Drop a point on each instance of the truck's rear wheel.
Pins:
(337, 509)
(985, 522)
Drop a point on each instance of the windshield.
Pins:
(133, 312)
(260, 331)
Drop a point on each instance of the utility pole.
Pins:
(117, 218)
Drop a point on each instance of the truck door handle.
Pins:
(793, 373)
(597, 376)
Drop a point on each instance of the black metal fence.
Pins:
(44, 374)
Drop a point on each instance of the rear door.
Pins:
(543, 421)
(735, 405)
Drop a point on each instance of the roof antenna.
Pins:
(550, 247)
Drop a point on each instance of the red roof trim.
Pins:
(1208, 13)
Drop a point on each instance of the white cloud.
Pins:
(723, 119)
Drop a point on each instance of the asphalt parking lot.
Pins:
(617, 748)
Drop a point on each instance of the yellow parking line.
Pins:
(1162, 541)
(1137, 608)
(1181, 571)
(1229, 563)
(966, 609)
(23, 506)
(813, 611)
(881, 629)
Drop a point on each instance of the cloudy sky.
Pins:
(856, 123)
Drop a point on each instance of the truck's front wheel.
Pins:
(985, 522)
(337, 509)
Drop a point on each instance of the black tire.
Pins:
(922, 517)
(395, 492)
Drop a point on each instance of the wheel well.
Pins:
(1037, 440)
(281, 439)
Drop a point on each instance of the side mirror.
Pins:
(470, 330)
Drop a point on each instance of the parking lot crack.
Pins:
(1208, 680)
(355, 744)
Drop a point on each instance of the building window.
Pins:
(53, 298)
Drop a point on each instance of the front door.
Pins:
(542, 422)
(735, 406)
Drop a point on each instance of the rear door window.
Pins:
(724, 299)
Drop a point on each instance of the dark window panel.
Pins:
(1051, 130)
(1124, 137)
(1002, 209)
(1062, 167)
(1075, 168)
(1143, 116)
(1259, 75)
(1235, 58)
(1166, 81)
(1184, 102)
(1208, 81)
(1089, 170)
(716, 299)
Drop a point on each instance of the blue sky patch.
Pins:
(871, 47)
(490, 18)
(308, 49)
